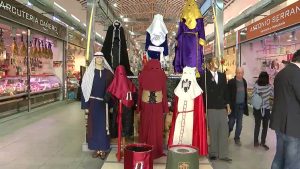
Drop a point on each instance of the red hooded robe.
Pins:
(152, 78)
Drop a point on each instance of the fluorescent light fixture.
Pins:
(29, 4)
(243, 33)
(73, 16)
(126, 25)
(60, 7)
(115, 4)
(98, 34)
(121, 16)
(24, 32)
(125, 19)
(56, 19)
(18, 34)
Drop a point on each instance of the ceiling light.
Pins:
(55, 19)
(29, 4)
(73, 16)
(121, 16)
(18, 34)
(23, 32)
(126, 25)
(98, 34)
(84, 24)
(115, 4)
(125, 19)
(60, 7)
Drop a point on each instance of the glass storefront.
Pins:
(31, 61)
(268, 53)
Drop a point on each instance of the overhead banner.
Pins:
(17, 12)
(281, 19)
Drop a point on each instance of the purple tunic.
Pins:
(189, 52)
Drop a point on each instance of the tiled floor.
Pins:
(51, 138)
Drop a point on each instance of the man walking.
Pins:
(217, 110)
(238, 103)
(285, 117)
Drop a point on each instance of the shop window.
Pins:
(13, 61)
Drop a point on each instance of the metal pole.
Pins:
(218, 6)
(28, 68)
(66, 48)
(90, 32)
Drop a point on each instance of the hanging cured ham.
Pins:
(14, 48)
(23, 49)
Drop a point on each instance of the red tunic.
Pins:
(199, 128)
(152, 78)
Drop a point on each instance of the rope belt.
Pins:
(106, 113)
(186, 111)
(97, 98)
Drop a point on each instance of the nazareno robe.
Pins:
(114, 47)
(121, 88)
(189, 47)
(97, 136)
(156, 54)
(199, 135)
(152, 78)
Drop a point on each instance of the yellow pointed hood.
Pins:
(190, 13)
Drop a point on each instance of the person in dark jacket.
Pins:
(215, 89)
(237, 88)
(285, 117)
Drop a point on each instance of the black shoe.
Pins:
(256, 144)
(265, 147)
(226, 159)
(212, 158)
(238, 142)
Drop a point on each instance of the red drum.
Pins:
(138, 156)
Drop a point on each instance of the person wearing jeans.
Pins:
(237, 88)
(285, 117)
(265, 125)
(263, 88)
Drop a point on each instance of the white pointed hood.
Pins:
(188, 87)
(157, 30)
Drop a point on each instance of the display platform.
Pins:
(112, 163)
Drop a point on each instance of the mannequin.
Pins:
(190, 39)
(214, 84)
(121, 90)
(94, 84)
(188, 125)
(152, 104)
(115, 48)
(157, 41)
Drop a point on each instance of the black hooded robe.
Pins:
(115, 49)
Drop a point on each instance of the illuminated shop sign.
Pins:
(19, 13)
(281, 19)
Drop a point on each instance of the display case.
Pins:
(42, 83)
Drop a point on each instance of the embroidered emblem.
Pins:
(156, 37)
(183, 165)
(186, 84)
(152, 97)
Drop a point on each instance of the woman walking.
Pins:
(264, 89)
